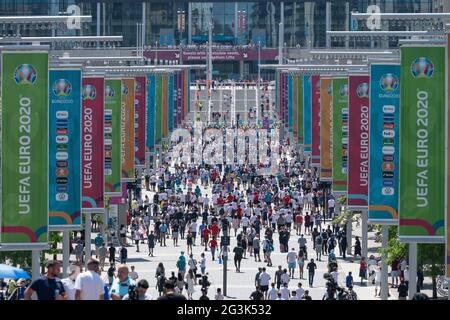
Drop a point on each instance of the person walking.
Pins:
(49, 286)
(112, 254)
(311, 271)
(151, 243)
(190, 278)
(123, 255)
(89, 285)
(291, 260)
(102, 251)
(363, 269)
(238, 253)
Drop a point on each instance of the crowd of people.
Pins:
(258, 211)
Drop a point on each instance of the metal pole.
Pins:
(384, 290)
(349, 235)
(209, 79)
(280, 43)
(412, 287)
(35, 265)
(144, 23)
(364, 231)
(225, 273)
(66, 252)
(87, 238)
(328, 23)
(104, 18)
(98, 22)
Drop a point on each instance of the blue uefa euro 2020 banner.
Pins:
(64, 148)
(307, 112)
(384, 143)
(151, 101)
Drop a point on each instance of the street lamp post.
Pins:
(156, 53)
(258, 82)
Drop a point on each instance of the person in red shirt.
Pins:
(298, 223)
(286, 200)
(230, 198)
(239, 212)
(215, 230)
(220, 201)
(255, 197)
(205, 236)
(213, 246)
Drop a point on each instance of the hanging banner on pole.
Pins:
(113, 137)
(139, 121)
(384, 143)
(358, 144)
(295, 107)
(158, 109)
(300, 136)
(92, 144)
(128, 130)
(307, 106)
(326, 91)
(65, 138)
(24, 146)
(315, 120)
(150, 122)
(340, 135)
(422, 144)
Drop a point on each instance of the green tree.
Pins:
(394, 249)
(431, 257)
(17, 258)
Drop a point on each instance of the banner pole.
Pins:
(384, 290)
(412, 285)
(364, 231)
(66, 252)
(35, 265)
(349, 235)
(87, 238)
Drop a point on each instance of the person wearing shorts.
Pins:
(291, 261)
(264, 280)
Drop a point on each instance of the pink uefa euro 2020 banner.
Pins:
(358, 141)
(139, 120)
(92, 143)
(315, 120)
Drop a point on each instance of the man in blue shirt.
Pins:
(181, 264)
(98, 243)
(48, 287)
(162, 233)
(121, 284)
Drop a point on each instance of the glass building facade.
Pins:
(239, 23)
(171, 23)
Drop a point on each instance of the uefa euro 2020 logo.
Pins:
(137, 87)
(422, 67)
(343, 91)
(88, 92)
(330, 89)
(124, 90)
(389, 82)
(363, 90)
(25, 74)
(109, 91)
(62, 88)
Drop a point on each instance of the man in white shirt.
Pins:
(285, 292)
(331, 204)
(133, 274)
(89, 285)
(300, 291)
(273, 292)
(264, 280)
(69, 282)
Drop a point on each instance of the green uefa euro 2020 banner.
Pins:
(422, 144)
(24, 145)
(340, 134)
